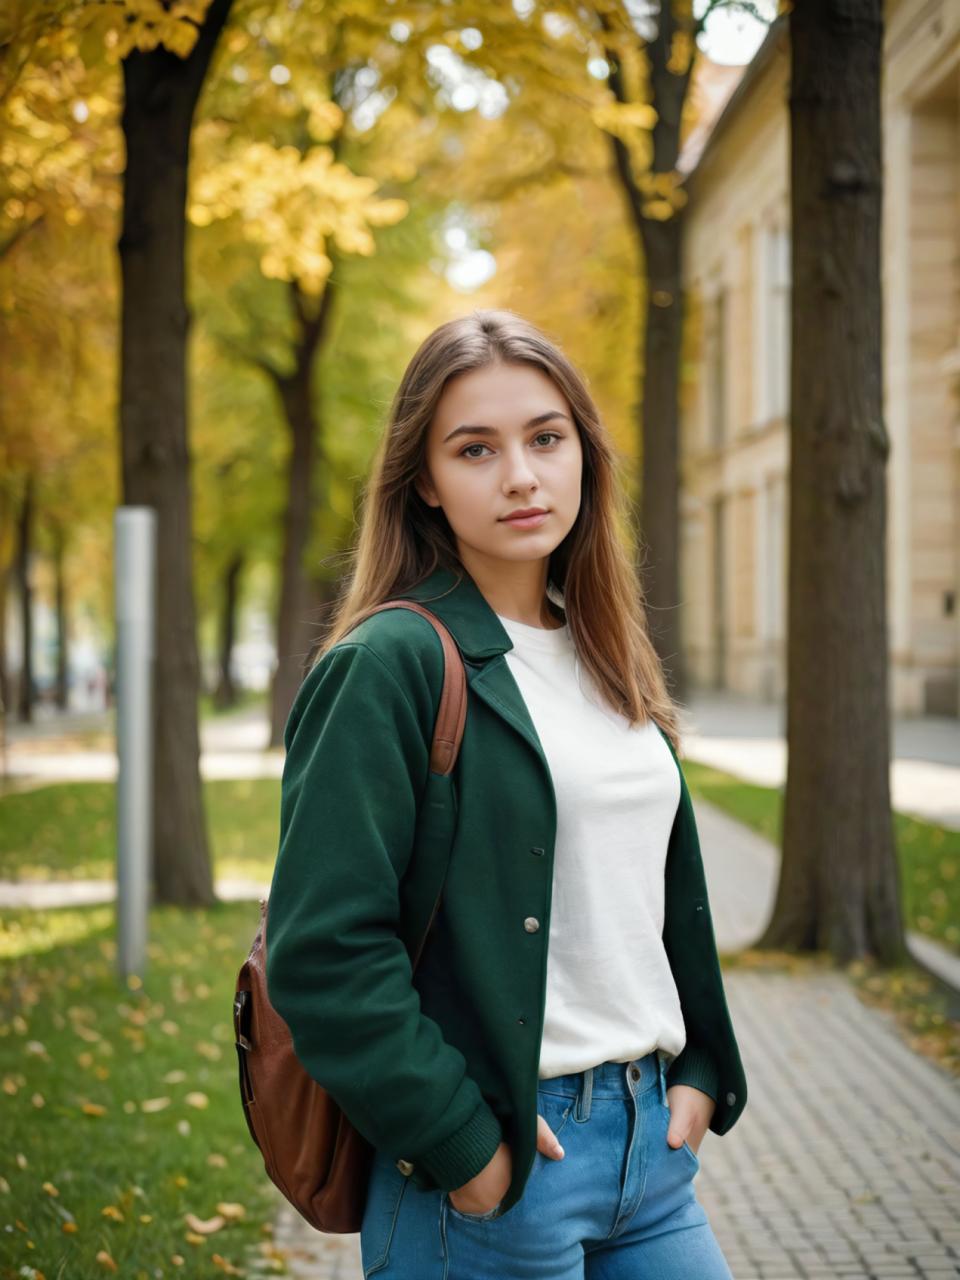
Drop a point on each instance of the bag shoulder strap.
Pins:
(452, 712)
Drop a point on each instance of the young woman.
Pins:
(537, 1090)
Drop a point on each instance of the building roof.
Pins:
(703, 139)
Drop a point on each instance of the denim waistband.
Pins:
(610, 1080)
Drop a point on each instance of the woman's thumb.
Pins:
(548, 1143)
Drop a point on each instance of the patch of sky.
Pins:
(464, 87)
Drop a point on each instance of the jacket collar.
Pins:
(460, 604)
(462, 607)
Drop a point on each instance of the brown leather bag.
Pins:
(310, 1149)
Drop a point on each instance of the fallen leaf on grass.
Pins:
(154, 1104)
(197, 1099)
(225, 1266)
(205, 1227)
(111, 1211)
(93, 1109)
(231, 1211)
(106, 1261)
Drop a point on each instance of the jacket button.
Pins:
(731, 1098)
(537, 851)
(405, 1167)
(531, 924)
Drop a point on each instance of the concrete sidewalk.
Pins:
(232, 745)
(746, 738)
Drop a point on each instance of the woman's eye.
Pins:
(541, 435)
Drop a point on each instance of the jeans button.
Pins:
(634, 1073)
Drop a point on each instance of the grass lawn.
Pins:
(68, 830)
(124, 1145)
(929, 855)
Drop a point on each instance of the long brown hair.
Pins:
(402, 539)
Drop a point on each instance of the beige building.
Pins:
(735, 394)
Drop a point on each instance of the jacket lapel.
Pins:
(459, 603)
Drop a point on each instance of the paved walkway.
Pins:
(746, 738)
(231, 746)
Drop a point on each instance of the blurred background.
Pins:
(225, 226)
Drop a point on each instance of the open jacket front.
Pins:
(437, 1067)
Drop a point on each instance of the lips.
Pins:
(526, 514)
(532, 521)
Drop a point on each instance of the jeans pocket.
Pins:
(556, 1109)
(471, 1217)
(686, 1148)
(384, 1196)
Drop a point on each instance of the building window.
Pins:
(716, 365)
(776, 359)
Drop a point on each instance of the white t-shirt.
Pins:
(611, 996)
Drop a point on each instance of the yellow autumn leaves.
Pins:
(289, 203)
(147, 24)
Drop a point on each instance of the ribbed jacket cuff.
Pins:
(460, 1157)
(694, 1066)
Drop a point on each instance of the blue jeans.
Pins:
(620, 1205)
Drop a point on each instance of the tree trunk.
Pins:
(26, 686)
(838, 887)
(60, 603)
(161, 92)
(658, 532)
(659, 551)
(295, 633)
(226, 693)
(4, 673)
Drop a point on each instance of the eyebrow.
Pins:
(467, 429)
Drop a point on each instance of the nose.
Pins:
(518, 473)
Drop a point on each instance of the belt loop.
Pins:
(586, 1095)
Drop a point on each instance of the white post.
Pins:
(135, 538)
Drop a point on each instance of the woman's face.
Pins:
(503, 439)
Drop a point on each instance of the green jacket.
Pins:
(437, 1068)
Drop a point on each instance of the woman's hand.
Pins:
(479, 1195)
(486, 1189)
(691, 1111)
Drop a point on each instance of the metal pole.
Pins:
(135, 539)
